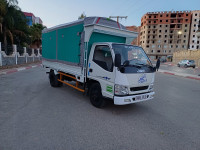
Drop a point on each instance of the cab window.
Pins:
(103, 58)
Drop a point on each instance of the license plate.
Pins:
(141, 97)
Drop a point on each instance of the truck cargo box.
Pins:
(66, 47)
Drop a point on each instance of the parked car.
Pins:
(186, 63)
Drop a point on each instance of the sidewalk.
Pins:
(190, 76)
(15, 68)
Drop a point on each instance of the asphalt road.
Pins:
(35, 116)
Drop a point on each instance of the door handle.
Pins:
(90, 70)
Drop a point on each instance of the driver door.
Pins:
(101, 69)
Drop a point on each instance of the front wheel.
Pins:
(96, 98)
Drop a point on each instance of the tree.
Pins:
(12, 22)
(36, 34)
(82, 16)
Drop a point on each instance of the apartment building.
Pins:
(194, 40)
(163, 33)
(136, 41)
(31, 19)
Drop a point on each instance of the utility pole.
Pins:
(121, 17)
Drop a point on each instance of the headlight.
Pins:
(151, 87)
(121, 90)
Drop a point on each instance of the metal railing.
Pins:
(29, 51)
(20, 49)
(7, 49)
(36, 52)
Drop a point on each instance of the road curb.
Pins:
(194, 77)
(19, 69)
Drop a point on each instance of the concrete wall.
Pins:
(16, 58)
(187, 54)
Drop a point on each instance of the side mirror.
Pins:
(117, 60)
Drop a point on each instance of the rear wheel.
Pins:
(96, 98)
(54, 79)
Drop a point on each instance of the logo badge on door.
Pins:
(142, 78)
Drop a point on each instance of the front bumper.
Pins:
(123, 100)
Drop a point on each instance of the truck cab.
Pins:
(120, 72)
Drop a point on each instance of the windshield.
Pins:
(133, 54)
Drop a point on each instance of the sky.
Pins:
(55, 12)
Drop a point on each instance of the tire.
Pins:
(178, 65)
(194, 66)
(185, 66)
(96, 98)
(53, 79)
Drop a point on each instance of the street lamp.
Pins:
(198, 31)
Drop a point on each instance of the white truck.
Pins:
(94, 55)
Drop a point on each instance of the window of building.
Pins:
(147, 46)
(165, 31)
(171, 36)
(171, 46)
(176, 46)
(160, 25)
(170, 41)
(184, 36)
(153, 46)
(160, 15)
(151, 51)
(160, 20)
(160, 31)
(194, 30)
(183, 46)
(193, 35)
(185, 25)
(153, 37)
(179, 15)
(172, 21)
(179, 21)
(158, 51)
(143, 41)
(154, 26)
(169, 51)
(195, 14)
(197, 42)
(165, 36)
(195, 20)
(192, 41)
(148, 31)
(149, 21)
(153, 42)
(159, 36)
(158, 41)
(171, 31)
(103, 58)
(154, 16)
(184, 41)
(186, 14)
(154, 31)
(166, 26)
(185, 30)
(165, 46)
(166, 20)
(197, 46)
(165, 51)
(165, 41)
(167, 15)
(148, 42)
(192, 46)
(148, 37)
(154, 21)
(178, 26)
(194, 25)
(186, 20)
